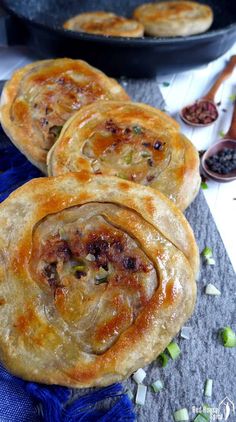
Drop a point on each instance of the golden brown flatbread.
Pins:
(105, 23)
(174, 18)
(97, 275)
(132, 141)
(41, 96)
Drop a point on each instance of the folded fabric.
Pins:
(16, 405)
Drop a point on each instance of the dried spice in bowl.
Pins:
(201, 112)
(223, 162)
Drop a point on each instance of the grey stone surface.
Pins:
(202, 356)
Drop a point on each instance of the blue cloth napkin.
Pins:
(16, 405)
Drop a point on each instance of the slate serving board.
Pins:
(202, 356)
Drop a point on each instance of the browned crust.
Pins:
(180, 180)
(174, 18)
(36, 356)
(22, 132)
(105, 23)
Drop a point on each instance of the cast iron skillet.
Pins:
(41, 24)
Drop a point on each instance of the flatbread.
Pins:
(105, 23)
(132, 141)
(41, 96)
(97, 275)
(174, 18)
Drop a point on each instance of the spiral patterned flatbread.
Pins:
(174, 18)
(40, 97)
(97, 275)
(132, 141)
(105, 23)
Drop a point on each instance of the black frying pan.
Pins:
(40, 27)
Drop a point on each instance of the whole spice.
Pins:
(223, 162)
(202, 112)
(158, 145)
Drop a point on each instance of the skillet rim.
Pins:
(128, 41)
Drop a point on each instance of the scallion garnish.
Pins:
(101, 280)
(139, 376)
(207, 254)
(129, 394)
(181, 415)
(122, 176)
(141, 394)
(128, 157)
(80, 267)
(62, 233)
(174, 350)
(157, 386)
(212, 290)
(96, 166)
(228, 337)
(186, 332)
(163, 358)
(204, 185)
(208, 388)
(90, 257)
(202, 417)
(232, 97)
(101, 276)
(137, 130)
(211, 261)
(145, 154)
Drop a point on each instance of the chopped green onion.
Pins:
(207, 252)
(80, 267)
(166, 83)
(141, 394)
(62, 233)
(90, 257)
(139, 376)
(212, 290)
(96, 166)
(208, 388)
(221, 133)
(163, 358)
(128, 157)
(181, 415)
(101, 273)
(100, 281)
(204, 185)
(232, 97)
(173, 350)
(202, 417)
(137, 130)
(129, 394)
(157, 386)
(101, 276)
(210, 261)
(228, 337)
(145, 154)
(185, 332)
(122, 176)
